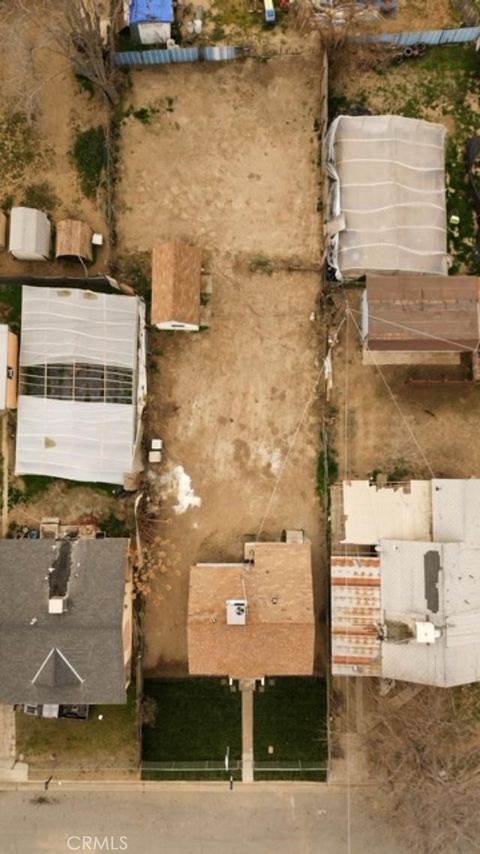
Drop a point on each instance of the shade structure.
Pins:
(81, 371)
(388, 186)
(73, 240)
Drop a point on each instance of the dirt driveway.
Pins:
(231, 166)
(385, 421)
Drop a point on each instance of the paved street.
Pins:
(253, 819)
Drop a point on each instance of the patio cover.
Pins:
(388, 184)
(78, 407)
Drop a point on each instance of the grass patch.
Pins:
(290, 716)
(327, 470)
(19, 145)
(195, 721)
(29, 487)
(135, 270)
(111, 742)
(114, 527)
(89, 155)
(41, 196)
(11, 305)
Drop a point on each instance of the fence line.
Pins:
(166, 56)
(461, 35)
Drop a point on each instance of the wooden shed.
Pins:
(8, 368)
(74, 240)
(176, 283)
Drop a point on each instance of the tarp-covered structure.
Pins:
(387, 196)
(82, 385)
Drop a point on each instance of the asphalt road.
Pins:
(247, 820)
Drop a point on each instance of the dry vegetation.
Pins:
(426, 754)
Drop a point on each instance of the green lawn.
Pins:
(82, 746)
(195, 721)
(290, 716)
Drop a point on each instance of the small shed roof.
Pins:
(176, 283)
(143, 11)
(29, 234)
(74, 238)
(278, 637)
(424, 313)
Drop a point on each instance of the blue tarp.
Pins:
(142, 11)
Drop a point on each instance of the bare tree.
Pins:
(334, 20)
(426, 753)
(87, 38)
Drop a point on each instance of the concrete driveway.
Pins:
(183, 819)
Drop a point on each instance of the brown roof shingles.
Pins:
(176, 283)
(279, 634)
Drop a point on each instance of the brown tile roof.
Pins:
(176, 282)
(278, 638)
(428, 313)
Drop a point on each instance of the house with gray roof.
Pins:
(65, 621)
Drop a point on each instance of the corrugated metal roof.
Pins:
(427, 313)
(356, 613)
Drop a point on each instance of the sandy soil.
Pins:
(232, 168)
(424, 427)
(230, 164)
(44, 88)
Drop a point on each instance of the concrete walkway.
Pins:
(7, 732)
(247, 687)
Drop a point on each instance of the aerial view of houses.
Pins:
(239, 408)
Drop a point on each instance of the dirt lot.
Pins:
(236, 404)
(42, 106)
(384, 421)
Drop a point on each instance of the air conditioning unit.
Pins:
(57, 604)
(236, 612)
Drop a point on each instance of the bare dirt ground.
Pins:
(48, 105)
(228, 161)
(384, 420)
(232, 167)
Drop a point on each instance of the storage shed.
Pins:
(387, 195)
(74, 240)
(176, 284)
(30, 232)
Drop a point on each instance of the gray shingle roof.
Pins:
(72, 657)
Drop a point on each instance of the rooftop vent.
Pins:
(236, 612)
(425, 632)
(57, 604)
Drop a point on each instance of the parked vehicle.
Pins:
(270, 16)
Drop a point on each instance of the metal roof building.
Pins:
(82, 385)
(387, 195)
(421, 314)
(410, 608)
